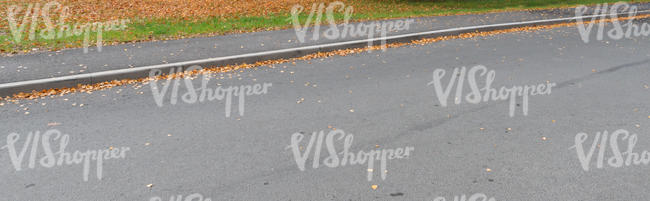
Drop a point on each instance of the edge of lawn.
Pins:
(140, 30)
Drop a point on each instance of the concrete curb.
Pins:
(8, 89)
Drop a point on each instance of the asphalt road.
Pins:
(381, 98)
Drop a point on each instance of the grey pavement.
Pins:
(382, 98)
(73, 61)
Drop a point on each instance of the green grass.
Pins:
(502, 4)
(163, 29)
